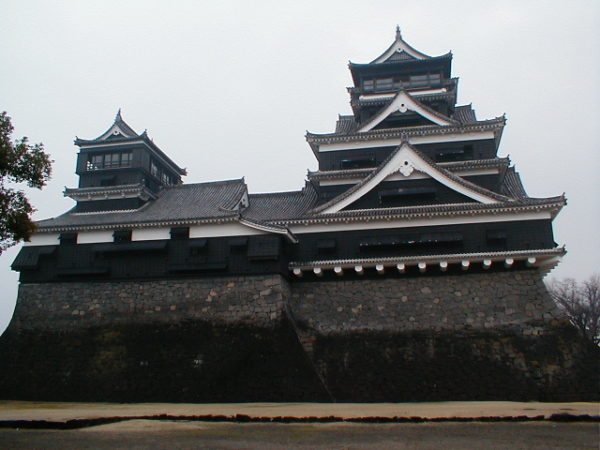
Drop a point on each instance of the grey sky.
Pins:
(228, 89)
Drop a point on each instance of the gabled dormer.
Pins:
(121, 169)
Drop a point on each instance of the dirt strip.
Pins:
(326, 412)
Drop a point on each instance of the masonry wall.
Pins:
(250, 300)
(460, 302)
(493, 335)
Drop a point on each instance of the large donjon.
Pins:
(409, 267)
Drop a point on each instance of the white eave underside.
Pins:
(451, 258)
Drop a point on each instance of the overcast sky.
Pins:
(229, 88)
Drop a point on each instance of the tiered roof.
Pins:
(229, 201)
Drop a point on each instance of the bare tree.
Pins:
(581, 303)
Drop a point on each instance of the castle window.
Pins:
(450, 154)
(384, 83)
(126, 159)
(109, 161)
(180, 233)
(122, 236)
(398, 196)
(419, 81)
(68, 238)
(368, 85)
(421, 241)
(357, 163)
(96, 162)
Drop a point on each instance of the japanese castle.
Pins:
(408, 268)
(409, 183)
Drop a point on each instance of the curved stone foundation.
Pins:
(261, 338)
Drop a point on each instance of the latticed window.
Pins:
(109, 161)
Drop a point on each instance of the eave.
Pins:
(426, 130)
(552, 205)
(233, 217)
(540, 258)
(122, 191)
(356, 69)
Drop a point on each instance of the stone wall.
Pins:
(453, 302)
(492, 335)
(255, 300)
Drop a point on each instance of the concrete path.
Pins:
(61, 412)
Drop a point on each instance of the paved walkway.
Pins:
(60, 412)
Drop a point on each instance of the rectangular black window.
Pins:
(421, 241)
(450, 154)
(357, 163)
(180, 233)
(68, 238)
(404, 196)
(122, 236)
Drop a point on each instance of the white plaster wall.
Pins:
(151, 234)
(92, 237)
(43, 239)
(224, 229)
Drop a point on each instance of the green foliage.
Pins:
(20, 162)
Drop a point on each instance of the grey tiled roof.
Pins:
(345, 124)
(280, 205)
(421, 130)
(454, 209)
(512, 185)
(464, 114)
(182, 203)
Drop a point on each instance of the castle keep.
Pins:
(409, 267)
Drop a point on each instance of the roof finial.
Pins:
(398, 33)
(118, 117)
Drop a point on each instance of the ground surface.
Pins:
(54, 411)
(131, 433)
(168, 435)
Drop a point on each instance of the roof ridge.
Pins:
(265, 194)
(184, 185)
